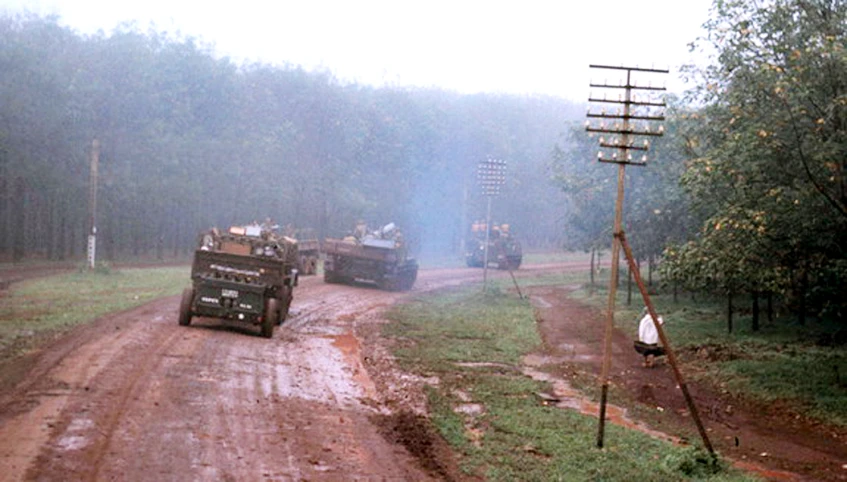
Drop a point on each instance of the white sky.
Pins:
(521, 47)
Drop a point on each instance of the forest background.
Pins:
(189, 141)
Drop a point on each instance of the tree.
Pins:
(770, 171)
(190, 140)
(655, 208)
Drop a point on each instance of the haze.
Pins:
(536, 46)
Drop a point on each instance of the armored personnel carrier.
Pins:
(504, 251)
(246, 275)
(378, 257)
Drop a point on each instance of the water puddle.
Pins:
(350, 347)
(74, 437)
(540, 302)
(766, 473)
(566, 397)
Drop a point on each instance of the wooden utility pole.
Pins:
(92, 204)
(623, 132)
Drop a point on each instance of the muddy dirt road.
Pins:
(134, 396)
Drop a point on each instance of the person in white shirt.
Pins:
(648, 339)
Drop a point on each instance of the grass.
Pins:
(555, 257)
(440, 261)
(783, 361)
(432, 261)
(37, 310)
(474, 342)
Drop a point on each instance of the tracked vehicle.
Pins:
(379, 258)
(504, 251)
(246, 275)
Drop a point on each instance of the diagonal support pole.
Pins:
(633, 268)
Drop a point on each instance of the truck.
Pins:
(504, 251)
(246, 275)
(380, 258)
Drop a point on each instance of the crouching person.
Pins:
(648, 339)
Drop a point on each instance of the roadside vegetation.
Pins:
(803, 366)
(489, 411)
(746, 194)
(35, 311)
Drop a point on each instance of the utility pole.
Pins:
(628, 112)
(92, 204)
(623, 133)
(491, 174)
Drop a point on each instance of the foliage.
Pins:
(769, 154)
(589, 188)
(803, 367)
(655, 209)
(190, 140)
(692, 462)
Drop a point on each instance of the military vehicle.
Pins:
(247, 275)
(504, 251)
(310, 251)
(379, 257)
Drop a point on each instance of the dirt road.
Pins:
(136, 397)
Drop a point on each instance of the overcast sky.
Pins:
(522, 47)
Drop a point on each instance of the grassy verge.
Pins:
(488, 411)
(37, 310)
(782, 361)
(432, 261)
(555, 257)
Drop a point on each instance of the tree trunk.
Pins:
(591, 275)
(176, 237)
(628, 286)
(650, 270)
(107, 237)
(160, 241)
(729, 312)
(769, 299)
(755, 311)
(61, 245)
(19, 223)
(5, 209)
(804, 280)
(52, 229)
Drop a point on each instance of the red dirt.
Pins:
(134, 396)
(772, 441)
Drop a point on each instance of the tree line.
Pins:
(189, 140)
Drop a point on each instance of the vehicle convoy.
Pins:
(379, 257)
(247, 275)
(504, 251)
